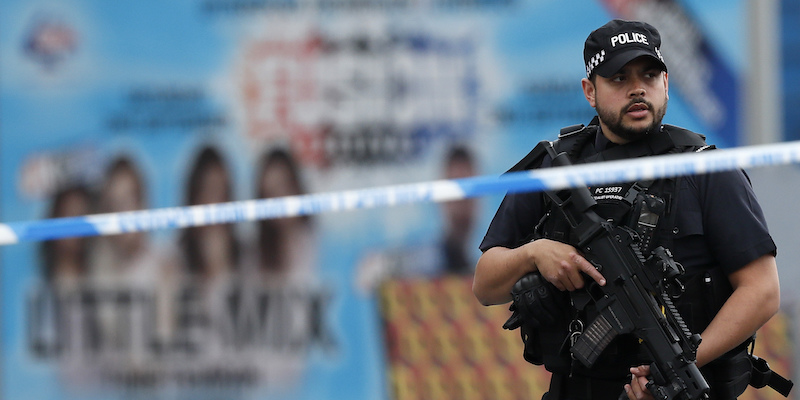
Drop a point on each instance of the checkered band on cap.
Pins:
(594, 62)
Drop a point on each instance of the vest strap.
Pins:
(670, 137)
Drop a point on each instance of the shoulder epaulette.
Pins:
(531, 160)
(570, 130)
(683, 137)
(567, 136)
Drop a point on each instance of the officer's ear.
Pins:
(666, 84)
(589, 91)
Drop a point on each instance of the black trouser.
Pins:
(564, 387)
(728, 378)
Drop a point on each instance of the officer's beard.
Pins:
(614, 120)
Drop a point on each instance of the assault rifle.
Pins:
(636, 298)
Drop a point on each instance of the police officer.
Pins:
(717, 230)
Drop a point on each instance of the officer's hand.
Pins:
(561, 265)
(637, 389)
(537, 301)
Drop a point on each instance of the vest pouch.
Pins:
(705, 293)
(706, 287)
(541, 312)
(546, 346)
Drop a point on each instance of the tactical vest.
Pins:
(705, 292)
(617, 201)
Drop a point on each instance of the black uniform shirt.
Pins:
(718, 220)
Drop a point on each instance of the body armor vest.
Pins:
(647, 207)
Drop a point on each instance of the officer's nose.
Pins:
(637, 92)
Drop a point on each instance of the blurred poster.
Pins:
(111, 107)
(790, 66)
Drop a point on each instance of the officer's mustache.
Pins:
(637, 100)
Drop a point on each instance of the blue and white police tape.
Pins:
(433, 191)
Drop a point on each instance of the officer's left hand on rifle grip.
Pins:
(535, 301)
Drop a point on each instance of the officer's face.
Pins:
(631, 102)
